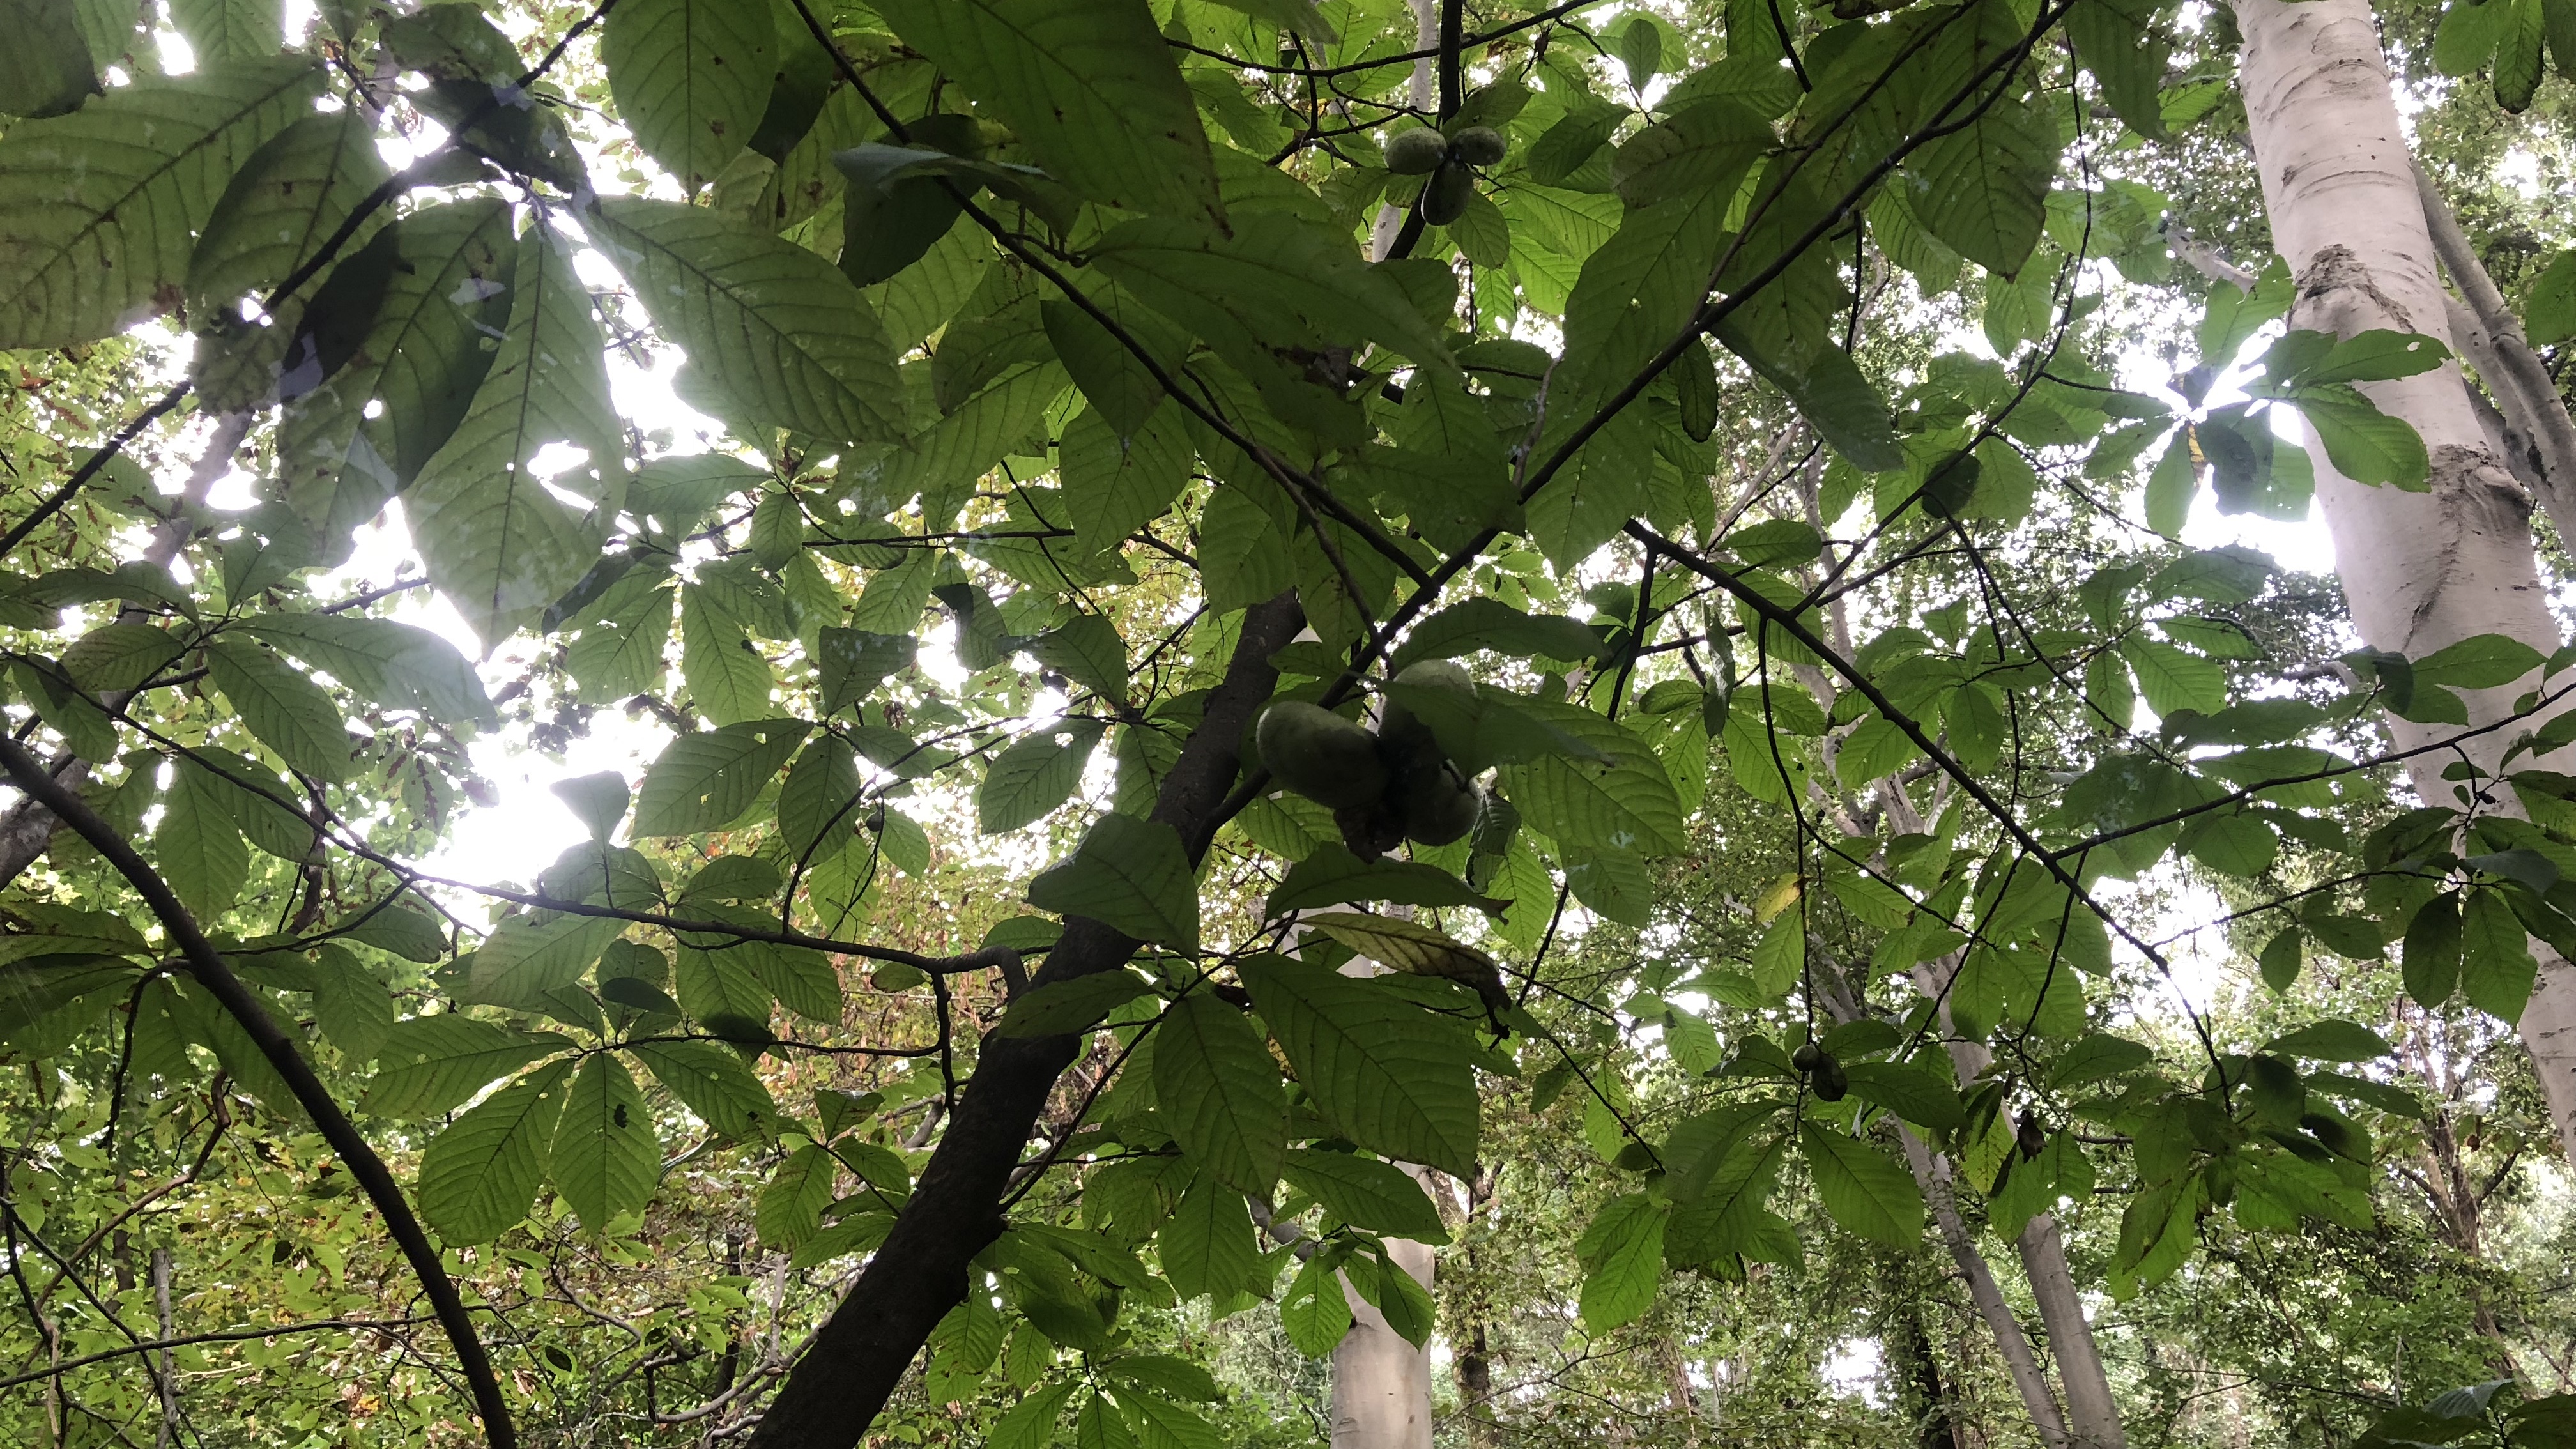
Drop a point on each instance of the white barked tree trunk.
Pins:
(2420, 570)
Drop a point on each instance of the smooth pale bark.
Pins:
(1932, 1175)
(1381, 1383)
(2093, 1418)
(2420, 570)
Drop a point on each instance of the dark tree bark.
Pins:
(835, 1391)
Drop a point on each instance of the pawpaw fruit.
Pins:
(1807, 1056)
(1417, 152)
(1445, 199)
(1440, 805)
(1478, 145)
(1828, 1080)
(1320, 755)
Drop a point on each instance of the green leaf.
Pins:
(100, 209)
(2331, 1041)
(117, 657)
(1331, 875)
(1087, 650)
(1625, 802)
(396, 665)
(198, 845)
(2432, 953)
(1864, 1191)
(1983, 189)
(853, 662)
(2364, 444)
(1117, 483)
(785, 334)
(2497, 971)
(1036, 774)
(286, 711)
(692, 79)
(1087, 85)
(2549, 308)
(1060, 1008)
(711, 1080)
(2097, 1057)
(1367, 1193)
(729, 681)
(430, 1064)
(1031, 1422)
(791, 1206)
(1130, 875)
(1314, 1312)
(1910, 1092)
(497, 541)
(1218, 1092)
(1267, 281)
(522, 959)
(2281, 959)
(445, 273)
(1208, 1245)
(706, 781)
(1489, 623)
(818, 805)
(2171, 486)
(221, 32)
(479, 1177)
(1372, 1062)
(606, 1157)
(1623, 1257)
(2482, 661)
(2173, 679)
(48, 69)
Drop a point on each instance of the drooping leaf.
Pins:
(1129, 874)
(605, 1157)
(480, 1175)
(691, 77)
(497, 540)
(1373, 1064)
(1218, 1091)
(100, 209)
(787, 337)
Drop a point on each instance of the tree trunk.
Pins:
(2420, 570)
(2093, 1419)
(1381, 1382)
(1476, 1391)
(860, 1353)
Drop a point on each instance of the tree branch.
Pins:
(858, 1356)
(209, 969)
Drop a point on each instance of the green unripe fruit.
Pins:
(1445, 199)
(1439, 673)
(1828, 1079)
(1320, 755)
(1416, 152)
(1440, 806)
(1478, 145)
(1807, 1056)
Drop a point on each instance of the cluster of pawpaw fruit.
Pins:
(1825, 1076)
(1384, 786)
(1449, 161)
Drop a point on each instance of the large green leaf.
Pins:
(1863, 1188)
(1208, 1247)
(1623, 1257)
(497, 540)
(100, 209)
(47, 68)
(479, 1177)
(1365, 1192)
(1129, 874)
(288, 712)
(397, 665)
(1035, 775)
(1983, 189)
(1218, 1092)
(691, 77)
(1626, 802)
(447, 270)
(606, 1157)
(711, 1080)
(1088, 85)
(198, 845)
(288, 200)
(430, 1064)
(222, 32)
(787, 337)
(729, 681)
(706, 781)
(1378, 1068)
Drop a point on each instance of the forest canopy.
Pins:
(1256, 722)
